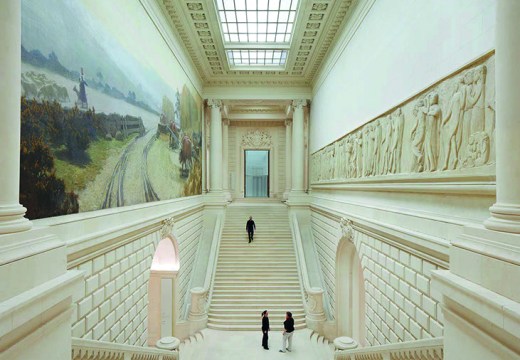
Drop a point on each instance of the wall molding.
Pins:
(430, 248)
(93, 245)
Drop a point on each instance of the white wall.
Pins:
(400, 48)
(117, 270)
(399, 302)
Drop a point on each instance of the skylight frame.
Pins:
(266, 34)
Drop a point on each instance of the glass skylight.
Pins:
(257, 57)
(257, 21)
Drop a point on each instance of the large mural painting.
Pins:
(109, 118)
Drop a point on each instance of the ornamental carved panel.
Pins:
(257, 139)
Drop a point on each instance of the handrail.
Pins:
(84, 349)
(300, 258)
(313, 295)
(201, 296)
(212, 264)
(427, 349)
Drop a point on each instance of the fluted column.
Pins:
(11, 212)
(225, 157)
(298, 149)
(505, 213)
(288, 150)
(215, 146)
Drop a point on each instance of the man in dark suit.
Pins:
(265, 330)
(250, 227)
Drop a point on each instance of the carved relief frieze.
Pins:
(449, 127)
(257, 139)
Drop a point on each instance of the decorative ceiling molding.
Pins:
(317, 25)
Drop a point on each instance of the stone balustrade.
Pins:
(83, 349)
(428, 349)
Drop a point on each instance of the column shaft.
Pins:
(288, 150)
(225, 152)
(215, 147)
(11, 212)
(298, 150)
(505, 213)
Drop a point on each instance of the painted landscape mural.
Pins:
(108, 116)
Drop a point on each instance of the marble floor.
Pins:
(246, 345)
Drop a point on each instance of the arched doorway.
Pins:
(161, 290)
(350, 293)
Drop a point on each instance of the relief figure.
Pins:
(451, 132)
(417, 135)
(396, 145)
(386, 129)
(431, 138)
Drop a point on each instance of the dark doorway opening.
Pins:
(256, 173)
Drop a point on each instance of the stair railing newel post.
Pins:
(199, 304)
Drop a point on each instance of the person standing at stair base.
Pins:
(250, 227)
(265, 329)
(288, 331)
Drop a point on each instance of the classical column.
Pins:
(11, 212)
(215, 146)
(298, 149)
(225, 151)
(288, 149)
(505, 213)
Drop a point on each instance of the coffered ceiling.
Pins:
(317, 26)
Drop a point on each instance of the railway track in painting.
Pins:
(149, 192)
(114, 195)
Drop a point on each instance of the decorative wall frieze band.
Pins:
(448, 128)
(432, 249)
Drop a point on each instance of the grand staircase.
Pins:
(259, 276)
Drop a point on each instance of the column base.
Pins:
(297, 197)
(12, 219)
(505, 218)
(216, 197)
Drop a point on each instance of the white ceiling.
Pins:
(196, 24)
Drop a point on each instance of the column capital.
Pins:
(215, 103)
(288, 122)
(299, 103)
(226, 122)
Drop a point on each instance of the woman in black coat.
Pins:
(265, 329)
